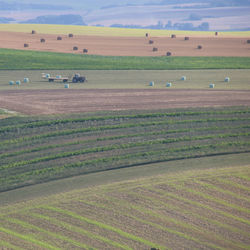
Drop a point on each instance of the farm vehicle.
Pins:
(75, 78)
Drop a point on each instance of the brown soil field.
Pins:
(88, 100)
(128, 46)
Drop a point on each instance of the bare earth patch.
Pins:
(88, 100)
(128, 46)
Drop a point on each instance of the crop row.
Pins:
(116, 137)
(34, 124)
(119, 126)
(131, 215)
(121, 146)
(46, 173)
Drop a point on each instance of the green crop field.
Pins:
(122, 79)
(106, 31)
(19, 59)
(41, 149)
(190, 209)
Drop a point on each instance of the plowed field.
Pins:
(76, 101)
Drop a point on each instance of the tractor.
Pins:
(78, 78)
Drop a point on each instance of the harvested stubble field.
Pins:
(128, 46)
(131, 79)
(66, 101)
(195, 209)
(40, 149)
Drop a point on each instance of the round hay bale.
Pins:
(183, 78)
(11, 83)
(227, 79)
(75, 48)
(59, 38)
(26, 80)
(66, 86)
(186, 38)
(33, 32)
(147, 35)
(168, 53)
(18, 82)
(216, 33)
(42, 40)
(248, 41)
(150, 41)
(85, 50)
(70, 35)
(199, 47)
(211, 86)
(152, 84)
(168, 84)
(26, 45)
(173, 36)
(155, 49)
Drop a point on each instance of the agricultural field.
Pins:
(40, 149)
(128, 46)
(130, 79)
(114, 163)
(192, 209)
(106, 31)
(31, 60)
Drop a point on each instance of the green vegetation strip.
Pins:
(19, 59)
(119, 126)
(120, 146)
(104, 226)
(33, 124)
(79, 142)
(108, 163)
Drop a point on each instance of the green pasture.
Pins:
(122, 79)
(107, 31)
(19, 59)
(166, 210)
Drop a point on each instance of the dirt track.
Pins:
(75, 101)
(129, 46)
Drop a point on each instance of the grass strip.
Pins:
(121, 146)
(55, 235)
(30, 60)
(104, 226)
(80, 230)
(28, 238)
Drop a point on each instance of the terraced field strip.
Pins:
(35, 150)
(106, 31)
(166, 212)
